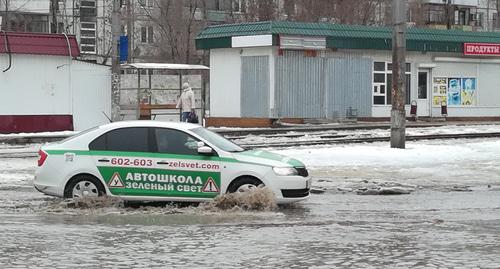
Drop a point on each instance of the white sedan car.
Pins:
(163, 161)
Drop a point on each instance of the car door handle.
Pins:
(103, 160)
(161, 162)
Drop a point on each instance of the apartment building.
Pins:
(467, 15)
(25, 16)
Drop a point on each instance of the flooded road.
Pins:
(425, 229)
(432, 227)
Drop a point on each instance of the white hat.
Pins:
(185, 85)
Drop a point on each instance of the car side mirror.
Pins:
(205, 150)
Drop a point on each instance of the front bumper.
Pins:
(289, 189)
(295, 193)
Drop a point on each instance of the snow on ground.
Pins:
(40, 134)
(424, 163)
(308, 136)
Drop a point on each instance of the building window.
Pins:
(147, 35)
(88, 13)
(382, 83)
(462, 16)
(88, 37)
(88, 8)
(239, 6)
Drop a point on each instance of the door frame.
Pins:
(427, 112)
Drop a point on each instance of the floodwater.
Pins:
(431, 227)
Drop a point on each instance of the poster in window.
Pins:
(440, 90)
(469, 91)
(440, 80)
(454, 91)
(443, 90)
(438, 100)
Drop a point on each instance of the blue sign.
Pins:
(123, 48)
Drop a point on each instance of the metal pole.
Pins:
(180, 93)
(398, 113)
(138, 113)
(130, 30)
(115, 68)
(203, 100)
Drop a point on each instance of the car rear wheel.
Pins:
(244, 184)
(84, 186)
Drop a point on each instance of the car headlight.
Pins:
(285, 171)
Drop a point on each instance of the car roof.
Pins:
(150, 123)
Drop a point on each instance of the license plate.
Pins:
(308, 184)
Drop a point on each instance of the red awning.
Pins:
(38, 43)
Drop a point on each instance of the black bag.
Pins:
(192, 118)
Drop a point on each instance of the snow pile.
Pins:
(434, 163)
(40, 134)
(417, 154)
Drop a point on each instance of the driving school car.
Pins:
(163, 161)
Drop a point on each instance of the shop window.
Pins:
(379, 66)
(379, 78)
(382, 83)
(378, 100)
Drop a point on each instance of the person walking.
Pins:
(186, 102)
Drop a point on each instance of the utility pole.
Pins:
(398, 113)
(115, 67)
(130, 30)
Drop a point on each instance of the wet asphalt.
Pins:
(429, 228)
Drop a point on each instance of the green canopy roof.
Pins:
(346, 36)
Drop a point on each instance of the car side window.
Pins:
(134, 139)
(98, 143)
(175, 142)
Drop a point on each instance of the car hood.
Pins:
(266, 158)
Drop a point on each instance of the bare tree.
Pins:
(261, 10)
(178, 23)
(339, 11)
(417, 12)
(6, 10)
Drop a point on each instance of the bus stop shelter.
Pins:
(151, 90)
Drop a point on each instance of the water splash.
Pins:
(257, 199)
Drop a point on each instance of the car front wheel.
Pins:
(244, 184)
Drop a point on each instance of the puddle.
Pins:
(255, 200)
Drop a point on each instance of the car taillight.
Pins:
(42, 156)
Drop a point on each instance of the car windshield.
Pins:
(217, 140)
